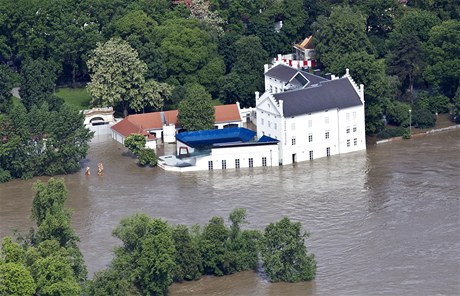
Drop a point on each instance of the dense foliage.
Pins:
(395, 50)
(47, 261)
(196, 111)
(284, 253)
(136, 144)
(47, 140)
(153, 253)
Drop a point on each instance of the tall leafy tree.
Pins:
(187, 255)
(53, 225)
(147, 254)
(153, 95)
(343, 32)
(443, 57)
(196, 111)
(284, 253)
(246, 76)
(38, 78)
(15, 279)
(6, 85)
(117, 74)
(406, 60)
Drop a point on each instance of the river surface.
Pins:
(385, 221)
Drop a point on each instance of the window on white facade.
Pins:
(311, 154)
(348, 129)
(275, 125)
(251, 162)
(262, 121)
(348, 116)
(354, 128)
(348, 143)
(276, 90)
(354, 115)
(293, 141)
(326, 120)
(224, 164)
(310, 123)
(327, 134)
(271, 89)
(210, 165)
(264, 161)
(310, 137)
(293, 126)
(355, 142)
(269, 123)
(328, 151)
(237, 163)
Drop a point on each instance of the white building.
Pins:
(311, 116)
(221, 149)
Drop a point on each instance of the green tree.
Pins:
(111, 283)
(135, 143)
(147, 254)
(443, 57)
(187, 256)
(6, 84)
(213, 246)
(38, 78)
(196, 111)
(117, 74)
(53, 223)
(398, 113)
(51, 268)
(182, 52)
(242, 251)
(147, 156)
(284, 253)
(15, 279)
(456, 115)
(246, 76)
(423, 118)
(153, 95)
(406, 61)
(343, 32)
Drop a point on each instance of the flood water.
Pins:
(385, 221)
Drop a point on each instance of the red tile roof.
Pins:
(140, 123)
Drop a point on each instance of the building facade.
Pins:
(311, 116)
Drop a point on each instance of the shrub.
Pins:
(5, 176)
(147, 156)
(391, 132)
(433, 103)
(423, 118)
(398, 113)
(135, 143)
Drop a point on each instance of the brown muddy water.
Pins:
(383, 222)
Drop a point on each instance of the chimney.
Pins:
(333, 77)
(257, 95)
(347, 72)
(317, 72)
(279, 57)
(265, 68)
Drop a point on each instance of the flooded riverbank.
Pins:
(382, 221)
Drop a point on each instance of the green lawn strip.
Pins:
(75, 96)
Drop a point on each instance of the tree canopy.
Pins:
(196, 111)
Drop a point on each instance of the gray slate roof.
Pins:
(285, 73)
(330, 94)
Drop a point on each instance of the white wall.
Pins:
(230, 154)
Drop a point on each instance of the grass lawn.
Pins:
(75, 96)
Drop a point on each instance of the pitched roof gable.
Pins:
(140, 123)
(338, 93)
(285, 73)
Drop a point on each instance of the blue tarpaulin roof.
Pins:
(210, 137)
(266, 139)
